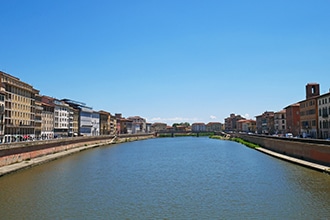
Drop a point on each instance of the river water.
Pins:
(167, 178)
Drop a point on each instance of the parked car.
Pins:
(289, 135)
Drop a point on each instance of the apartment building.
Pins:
(231, 122)
(74, 122)
(139, 124)
(158, 126)
(19, 109)
(86, 124)
(38, 116)
(265, 123)
(113, 125)
(2, 113)
(292, 114)
(104, 123)
(309, 111)
(61, 118)
(107, 123)
(323, 115)
(213, 126)
(198, 127)
(280, 122)
(47, 117)
(95, 123)
(85, 127)
(246, 125)
(124, 125)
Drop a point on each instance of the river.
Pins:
(167, 178)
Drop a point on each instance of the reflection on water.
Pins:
(170, 178)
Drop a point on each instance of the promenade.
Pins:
(308, 164)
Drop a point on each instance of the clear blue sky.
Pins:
(169, 60)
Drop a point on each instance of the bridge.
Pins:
(188, 133)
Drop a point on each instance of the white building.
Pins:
(86, 124)
(61, 118)
(95, 124)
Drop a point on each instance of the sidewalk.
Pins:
(314, 166)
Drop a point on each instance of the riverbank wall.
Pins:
(312, 150)
(24, 151)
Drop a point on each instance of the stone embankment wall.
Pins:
(312, 150)
(22, 151)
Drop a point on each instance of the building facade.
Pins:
(280, 122)
(61, 119)
(231, 122)
(324, 115)
(47, 117)
(247, 125)
(292, 114)
(265, 123)
(309, 111)
(104, 122)
(38, 117)
(95, 123)
(139, 124)
(2, 113)
(198, 127)
(19, 108)
(158, 126)
(113, 125)
(213, 127)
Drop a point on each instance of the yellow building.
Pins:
(107, 123)
(19, 108)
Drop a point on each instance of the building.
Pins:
(61, 118)
(2, 113)
(104, 122)
(213, 127)
(148, 128)
(265, 123)
(292, 114)
(85, 118)
(309, 111)
(231, 122)
(113, 125)
(323, 115)
(158, 126)
(86, 125)
(246, 125)
(47, 117)
(124, 126)
(95, 123)
(139, 125)
(74, 121)
(280, 122)
(198, 127)
(38, 117)
(107, 123)
(19, 108)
